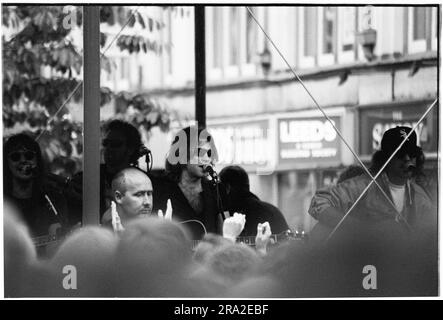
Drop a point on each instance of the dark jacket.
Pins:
(165, 189)
(38, 213)
(256, 211)
(74, 195)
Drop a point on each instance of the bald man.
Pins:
(132, 193)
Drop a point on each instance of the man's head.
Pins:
(234, 178)
(132, 191)
(121, 144)
(406, 162)
(22, 159)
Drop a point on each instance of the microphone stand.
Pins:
(216, 184)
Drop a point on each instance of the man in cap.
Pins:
(402, 203)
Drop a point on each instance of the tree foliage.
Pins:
(41, 45)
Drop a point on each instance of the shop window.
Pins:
(295, 191)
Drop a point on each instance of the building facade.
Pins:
(368, 68)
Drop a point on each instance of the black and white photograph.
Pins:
(220, 151)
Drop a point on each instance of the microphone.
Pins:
(143, 151)
(29, 168)
(212, 173)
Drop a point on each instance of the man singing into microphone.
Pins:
(195, 199)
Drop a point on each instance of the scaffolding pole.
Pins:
(200, 65)
(91, 115)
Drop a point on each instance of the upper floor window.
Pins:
(329, 21)
(328, 35)
(307, 36)
(422, 35)
(217, 29)
(346, 26)
(251, 36)
(419, 23)
(310, 28)
(234, 36)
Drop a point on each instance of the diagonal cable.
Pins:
(382, 168)
(324, 113)
(81, 81)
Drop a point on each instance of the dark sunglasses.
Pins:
(17, 155)
(202, 151)
(107, 143)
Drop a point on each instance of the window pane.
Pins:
(234, 27)
(328, 29)
(348, 28)
(419, 23)
(310, 27)
(251, 36)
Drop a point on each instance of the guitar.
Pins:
(48, 239)
(287, 235)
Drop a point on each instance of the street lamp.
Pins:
(367, 39)
(265, 61)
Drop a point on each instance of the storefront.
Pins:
(288, 156)
(310, 156)
(374, 120)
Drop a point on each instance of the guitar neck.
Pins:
(45, 240)
(250, 240)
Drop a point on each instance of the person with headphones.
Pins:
(122, 147)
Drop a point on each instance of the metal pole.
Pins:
(91, 115)
(200, 65)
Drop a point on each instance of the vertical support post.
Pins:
(91, 115)
(200, 65)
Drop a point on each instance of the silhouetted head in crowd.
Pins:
(19, 253)
(350, 172)
(121, 145)
(132, 192)
(191, 150)
(408, 161)
(22, 165)
(153, 259)
(234, 262)
(207, 245)
(234, 178)
(90, 250)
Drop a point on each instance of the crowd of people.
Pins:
(178, 233)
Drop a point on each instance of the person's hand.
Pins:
(116, 222)
(168, 214)
(263, 237)
(233, 226)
